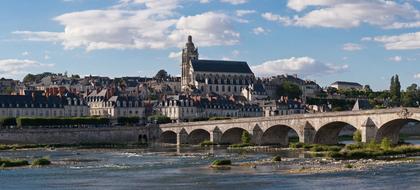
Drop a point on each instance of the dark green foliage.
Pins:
(241, 145)
(411, 97)
(159, 119)
(13, 163)
(348, 165)
(7, 121)
(324, 148)
(221, 163)
(207, 143)
(395, 91)
(289, 89)
(41, 162)
(128, 120)
(60, 122)
(276, 158)
(36, 78)
(161, 75)
(219, 118)
(338, 104)
(245, 138)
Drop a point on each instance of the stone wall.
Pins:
(116, 135)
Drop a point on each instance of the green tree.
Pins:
(385, 144)
(410, 97)
(161, 75)
(289, 89)
(395, 91)
(357, 136)
(245, 138)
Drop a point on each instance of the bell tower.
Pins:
(189, 52)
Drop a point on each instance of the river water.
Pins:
(186, 168)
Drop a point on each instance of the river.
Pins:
(186, 168)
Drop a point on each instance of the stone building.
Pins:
(282, 107)
(106, 103)
(38, 105)
(221, 77)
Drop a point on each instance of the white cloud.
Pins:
(260, 30)
(349, 14)
(234, 2)
(153, 25)
(241, 13)
(204, 1)
(396, 58)
(175, 55)
(13, 67)
(399, 42)
(277, 18)
(417, 76)
(305, 66)
(25, 53)
(352, 47)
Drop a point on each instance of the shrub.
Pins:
(357, 136)
(348, 166)
(333, 154)
(221, 163)
(207, 143)
(245, 138)
(323, 148)
(128, 120)
(7, 121)
(385, 144)
(159, 119)
(13, 163)
(276, 158)
(41, 162)
(242, 145)
(372, 145)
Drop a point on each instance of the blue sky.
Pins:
(322, 40)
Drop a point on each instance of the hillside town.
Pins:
(206, 90)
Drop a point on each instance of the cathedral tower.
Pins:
(188, 53)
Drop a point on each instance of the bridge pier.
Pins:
(256, 136)
(368, 131)
(215, 136)
(308, 134)
(182, 138)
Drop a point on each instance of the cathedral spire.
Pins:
(188, 53)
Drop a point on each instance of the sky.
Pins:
(365, 41)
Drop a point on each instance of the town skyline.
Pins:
(69, 36)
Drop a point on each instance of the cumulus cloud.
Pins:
(152, 25)
(175, 55)
(260, 30)
(241, 13)
(405, 41)
(234, 2)
(352, 47)
(417, 76)
(305, 66)
(13, 67)
(349, 14)
(396, 58)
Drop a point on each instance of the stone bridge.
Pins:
(323, 128)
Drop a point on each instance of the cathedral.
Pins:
(217, 76)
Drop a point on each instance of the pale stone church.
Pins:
(217, 76)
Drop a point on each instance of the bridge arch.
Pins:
(232, 136)
(278, 135)
(197, 136)
(391, 129)
(329, 132)
(168, 137)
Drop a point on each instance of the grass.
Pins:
(5, 163)
(221, 163)
(207, 143)
(41, 162)
(367, 151)
(241, 145)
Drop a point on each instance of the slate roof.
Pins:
(346, 83)
(221, 66)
